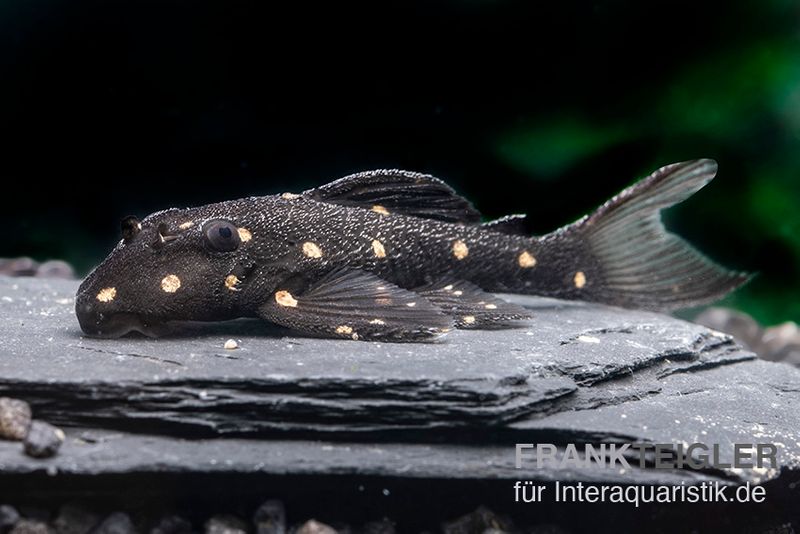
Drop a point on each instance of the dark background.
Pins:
(111, 108)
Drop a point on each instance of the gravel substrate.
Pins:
(269, 518)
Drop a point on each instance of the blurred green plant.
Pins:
(741, 107)
(546, 150)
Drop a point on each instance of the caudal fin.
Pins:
(622, 254)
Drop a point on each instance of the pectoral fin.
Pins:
(472, 307)
(353, 304)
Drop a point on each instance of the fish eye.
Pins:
(222, 236)
(130, 226)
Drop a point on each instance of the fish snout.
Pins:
(98, 317)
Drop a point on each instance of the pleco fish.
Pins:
(392, 255)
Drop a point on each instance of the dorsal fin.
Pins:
(401, 192)
(509, 225)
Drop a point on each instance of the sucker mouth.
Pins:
(116, 325)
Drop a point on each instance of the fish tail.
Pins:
(622, 255)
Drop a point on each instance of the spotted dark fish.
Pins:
(393, 255)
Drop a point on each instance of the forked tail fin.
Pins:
(622, 254)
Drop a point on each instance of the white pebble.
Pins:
(231, 344)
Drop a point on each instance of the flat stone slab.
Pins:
(576, 373)
(278, 382)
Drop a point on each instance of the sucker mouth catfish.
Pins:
(395, 256)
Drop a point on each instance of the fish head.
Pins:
(174, 265)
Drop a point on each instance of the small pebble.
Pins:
(740, 325)
(55, 269)
(39, 513)
(231, 344)
(225, 524)
(270, 518)
(30, 526)
(312, 526)
(172, 524)
(481, 520)
(43, 440)
(8, 517)
(781, 343)
(15, 418)
(383, 526)
(116, 523)
(74, 520)
(30, 267)
(19, 267)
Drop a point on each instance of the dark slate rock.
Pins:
(31, 526)
(225, 524)
(8, 517)
(270, 518)
(576, 373)
(15, 418)
(73, 519)
(172, 524)
(117, 452)
(116, 523)
(284, 384)
(270, 384)
(43, 440)
(312, 526)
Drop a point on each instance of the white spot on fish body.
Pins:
(284, 298)
(378, 249)
(460, 249)
(230, 282)
(170, 283)
(244, 234)
(526, 260)
(107, 294)
(312, 250)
